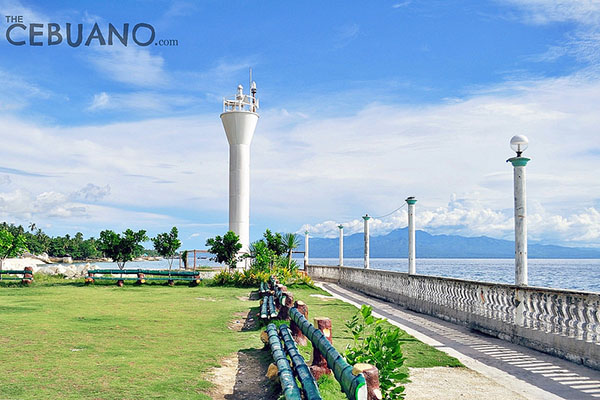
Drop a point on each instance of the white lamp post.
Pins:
(305, 249)
(411, 235)
(341, 227)
(519, 144)
(366, 218)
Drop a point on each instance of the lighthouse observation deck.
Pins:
(241, 101)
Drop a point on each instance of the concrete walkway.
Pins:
(532, 374)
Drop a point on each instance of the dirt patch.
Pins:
(244, 321)
(252, 296)
(443, 383)
(242, 377)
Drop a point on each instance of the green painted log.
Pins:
(263, 288)
(286, 376)
(354, 386)
(263, 309)
(309, 386)
(112, 278)
(272, 310)
(170, 279)
(279, 295)
(167, 273)
(143, 271)
(13, 271)
(10, 278)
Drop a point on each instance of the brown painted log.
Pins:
(141, 279)
(120, 283)
(264, 337)
(371, 374)
(285, 308)
(319, 362)
(296, 332)
(27, 276)
(272, 372)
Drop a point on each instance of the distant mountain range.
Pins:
(395, 245)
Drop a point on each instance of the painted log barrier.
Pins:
(26, 279)
(309, 385)
(564, 323)
(286, 376)
(325, 358)
(354, 386)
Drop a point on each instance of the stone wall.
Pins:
(564, 323)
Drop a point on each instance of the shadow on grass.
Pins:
(252, 321)
(250, 379)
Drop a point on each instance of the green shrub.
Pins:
(246, 278)
(378, 345)
(253, 278)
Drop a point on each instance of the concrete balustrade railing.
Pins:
(564, 323)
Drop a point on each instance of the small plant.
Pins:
(246, 278)
(378, 345)
(261, 256)
(184, 257)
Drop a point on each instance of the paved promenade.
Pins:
(532, 374)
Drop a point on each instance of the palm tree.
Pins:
(291, 242)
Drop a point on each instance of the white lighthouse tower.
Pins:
(239, 120)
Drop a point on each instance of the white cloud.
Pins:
(16, 92)
(139, 101)
(467, 217)
(546, 11)
(307, 169)
(402, 4)
(581, 42)
(100, 101)
(91, 192)
(346, 33)
(131, 65)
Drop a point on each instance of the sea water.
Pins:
(579, 274)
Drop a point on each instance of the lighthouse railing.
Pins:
(248, 104)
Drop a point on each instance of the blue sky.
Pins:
(363, 104)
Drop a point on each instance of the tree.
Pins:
(166, 245)
(122, 248)
(275, 242)
(11, 245)
(291, 242)
(225, 248)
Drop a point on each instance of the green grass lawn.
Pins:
(61, 339)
